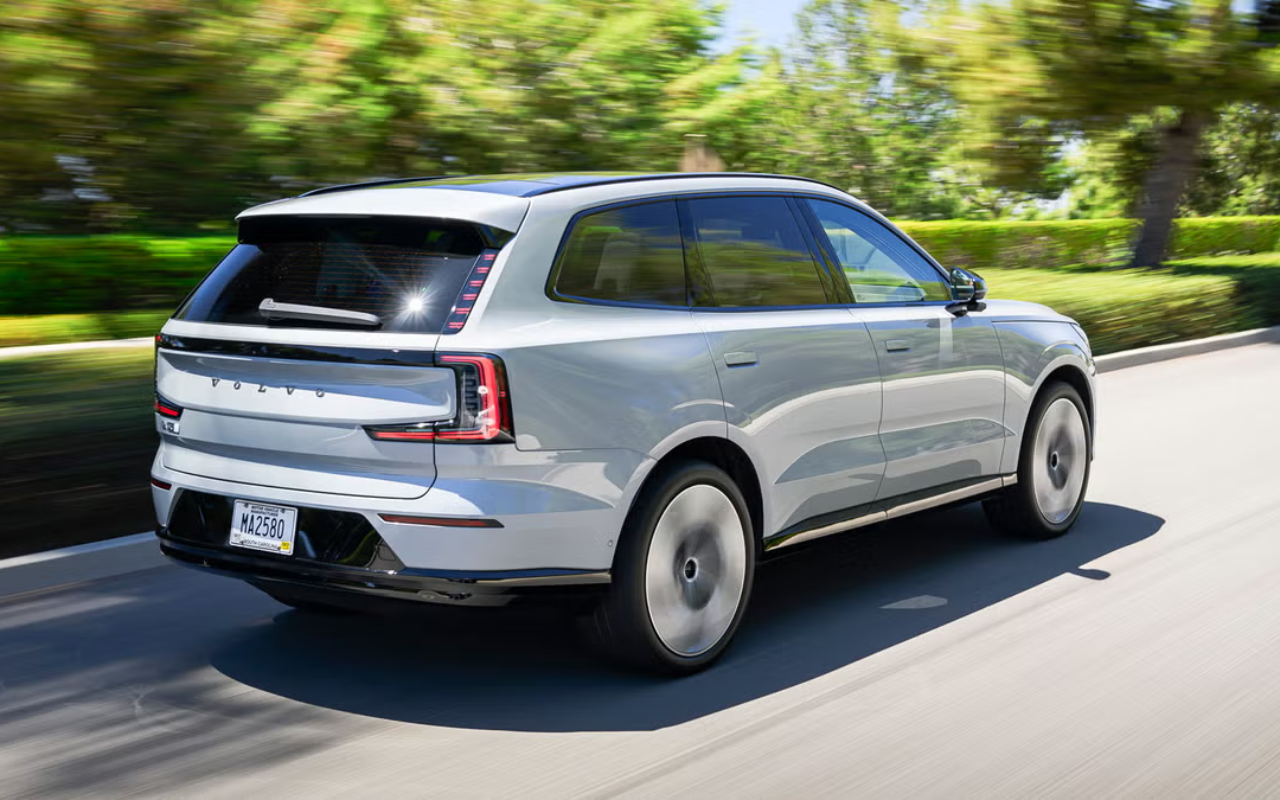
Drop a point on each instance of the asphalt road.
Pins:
(1138, 656)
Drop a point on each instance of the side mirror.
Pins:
(967, 287)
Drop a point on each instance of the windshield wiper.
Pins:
(270, 309)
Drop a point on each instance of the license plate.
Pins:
(262, 527)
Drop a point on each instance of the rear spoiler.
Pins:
(483, 208)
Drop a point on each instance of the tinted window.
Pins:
(880, 266)
(407, 271)
(754, 253)
(632, 254)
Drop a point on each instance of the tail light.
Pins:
(166, 409)
(484, 407)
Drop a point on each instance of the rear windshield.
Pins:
(407, 271)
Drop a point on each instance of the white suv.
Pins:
(618, 390)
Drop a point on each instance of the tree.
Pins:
(1038, 73)
(166, 114)
(420, 88)
(854, 105)
(116, 111)
(1241, 164)
(863, 100)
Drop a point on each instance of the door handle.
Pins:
(742, 359)
(897, 345)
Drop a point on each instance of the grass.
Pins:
(76, 443)
(59, 328)
(1257, 276)
(67, 395)
(1124, 309)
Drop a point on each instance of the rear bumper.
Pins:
(558, 510)
(439, 587)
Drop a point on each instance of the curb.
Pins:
(1168, 352)
(66, 347)
(84, 562)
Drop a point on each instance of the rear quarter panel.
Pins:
(586, 376)
(613, 387)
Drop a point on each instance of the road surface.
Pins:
(1138, 656)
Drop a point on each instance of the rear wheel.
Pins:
(1053, 469)
(682, 574)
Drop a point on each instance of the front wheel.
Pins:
(682, 574)
(1053, 469)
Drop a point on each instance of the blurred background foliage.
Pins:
(168, 116)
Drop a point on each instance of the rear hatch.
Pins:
(246, 394)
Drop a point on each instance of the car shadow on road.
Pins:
(825, 607)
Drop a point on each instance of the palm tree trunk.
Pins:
(1165, 184)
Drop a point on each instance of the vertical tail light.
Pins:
(470, 291)
(484, 406)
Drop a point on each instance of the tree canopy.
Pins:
(1036, 73)
(171, 115)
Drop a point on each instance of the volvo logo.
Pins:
(262, 387)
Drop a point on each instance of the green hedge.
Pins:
(117, 273)
(1020, 245)
(75, 274)
(1030, 245)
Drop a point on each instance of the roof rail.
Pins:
(662, 176)
(366, 184)
(539, 188)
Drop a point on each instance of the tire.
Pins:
(1053, 469)
(682, 574)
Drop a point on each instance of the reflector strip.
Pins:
(470, 291)
(444, 522)
(159, 484)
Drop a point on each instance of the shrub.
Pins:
(1024, 245)
(1105, 242)
(1207, 236)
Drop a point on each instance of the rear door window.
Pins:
(407, 271)
(632, 254)
(754, 253)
